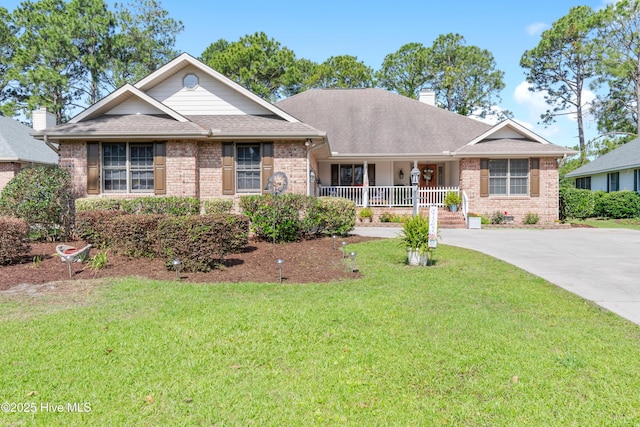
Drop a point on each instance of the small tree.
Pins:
(42, 197)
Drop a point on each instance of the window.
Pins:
(127, 167)
(190, 81)
(509, 177)
(248, 168)
(352, 174)
(583, 183)
(613, 181)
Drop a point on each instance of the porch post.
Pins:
(365, 186)
(415, 179)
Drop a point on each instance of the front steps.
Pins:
(448, 219)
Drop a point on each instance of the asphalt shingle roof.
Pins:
(17, 144)
(375, 121)
(626, 156)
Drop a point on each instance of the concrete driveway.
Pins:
(600, 265)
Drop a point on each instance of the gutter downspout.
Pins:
(309, 150)
(50, 145)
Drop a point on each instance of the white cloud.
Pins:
(536, 28)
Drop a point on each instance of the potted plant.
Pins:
(474, 221)
(415, 238)
(452, 199)
(365, 214)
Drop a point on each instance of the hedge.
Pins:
(14, 233)
(171, 205)
(581, 204)
(201, 242)
(291, 217)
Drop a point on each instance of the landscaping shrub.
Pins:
(170, 205)
(576, 203)
(531, 218)
(598, 203)
(335, 215)
(134, 235)
(274, 218)
(95, 227)
(497, 217)
(42, 197)
(621, 204)
(200, 242)
(14, 233)
(217, 205)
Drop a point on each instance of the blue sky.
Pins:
(370, 30)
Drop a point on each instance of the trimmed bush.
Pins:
(334, 215)
(95, 227)
(170, 205)
(290, 217)
(217, 205)
(202, 241)
(14, 233)
(41, 196)
(134, 235)
(621, 204)
(576, 203)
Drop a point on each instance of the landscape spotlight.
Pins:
(279, 264)
(176, 263)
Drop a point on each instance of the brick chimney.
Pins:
(42, 119)
(427, 96)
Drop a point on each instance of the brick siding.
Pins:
(545, 206)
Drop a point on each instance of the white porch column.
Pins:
(365, 185)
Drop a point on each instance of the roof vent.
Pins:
(427, 96)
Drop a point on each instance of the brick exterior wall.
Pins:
(73, 157)
(7, 171)
(182, 171)
(194, 168)
(545, 206)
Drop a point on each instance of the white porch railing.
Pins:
(390, 196)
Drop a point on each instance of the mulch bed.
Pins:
(309, 261)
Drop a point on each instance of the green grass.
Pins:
(469, 341)
(632, 223)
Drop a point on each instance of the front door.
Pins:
(428, 175)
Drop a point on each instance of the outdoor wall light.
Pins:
(352, 256)
(280, 264)
(176, 263)
(344, 251)
(401, 174)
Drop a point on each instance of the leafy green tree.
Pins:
(344, 71)
(255, 61)
(144, 40)
(619, 41)
(92, 35)
(405, 71)
(464, 78)
(8, 42)
(298, 76)
(46, 66)
(562, 64)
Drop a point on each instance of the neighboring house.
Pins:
(188, 130)
(617, 170)
(18, 149)
(378, 136)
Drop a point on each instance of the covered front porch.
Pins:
(389, 196)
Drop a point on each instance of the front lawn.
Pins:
(468, 341)
(631, 223)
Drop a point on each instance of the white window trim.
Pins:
(508, 179)
(128, 169)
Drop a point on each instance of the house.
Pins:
(187, 130)
(616, 170)
(18, 149)
(379, 137)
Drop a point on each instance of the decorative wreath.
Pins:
(427, 174)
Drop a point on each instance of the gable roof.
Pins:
(148, 117)
(376, 122)
(626, 156)
(17, 144)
